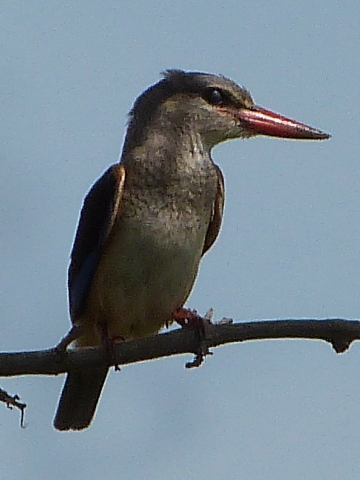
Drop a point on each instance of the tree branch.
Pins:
(338, 332)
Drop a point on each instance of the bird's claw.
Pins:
(188, 318)
(108, 343)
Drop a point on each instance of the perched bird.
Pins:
(146, 223)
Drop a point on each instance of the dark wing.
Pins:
(98, 214)
(216, 218)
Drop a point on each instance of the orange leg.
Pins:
(188, 318)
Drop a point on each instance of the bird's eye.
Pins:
(214, 96)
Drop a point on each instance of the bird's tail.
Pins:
(79, 398)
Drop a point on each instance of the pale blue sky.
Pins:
(289, 245)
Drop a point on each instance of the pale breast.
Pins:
(143, 276)
(150, 260)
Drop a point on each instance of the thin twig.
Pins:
(13, 401)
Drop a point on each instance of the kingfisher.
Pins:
(149, 219)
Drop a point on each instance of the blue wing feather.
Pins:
(97, 215)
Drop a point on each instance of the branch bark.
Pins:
(340, 333)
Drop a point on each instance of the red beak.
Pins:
(265, 122)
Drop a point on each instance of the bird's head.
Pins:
(212, 106)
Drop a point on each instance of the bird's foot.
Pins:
(108, 344)
(188, 318)
(113, 341)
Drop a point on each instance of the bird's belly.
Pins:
(138, 285)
